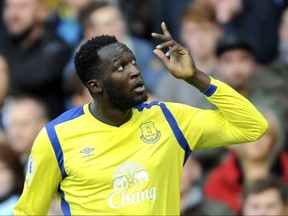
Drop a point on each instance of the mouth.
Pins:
(139, 87)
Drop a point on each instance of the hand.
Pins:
(178, 59)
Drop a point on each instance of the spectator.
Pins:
(237, 67)
(279, 68)
(102, 18)
(36, 58)
(247, 163)
(24, 117)
(11, 179)
(192, 200)
(266, 196)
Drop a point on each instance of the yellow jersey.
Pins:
(134, 169)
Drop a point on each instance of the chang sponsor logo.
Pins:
(126, 176)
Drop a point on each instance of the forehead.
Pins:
(113, 52)
(236, 53)
(267, 196)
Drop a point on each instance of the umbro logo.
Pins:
(87, 152)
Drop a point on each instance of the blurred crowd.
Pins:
(241, 42)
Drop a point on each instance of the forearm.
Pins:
(199, 80)
(238, 112)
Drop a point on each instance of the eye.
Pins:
(134, 61)
(120, 68)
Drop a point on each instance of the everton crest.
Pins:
(150, 134)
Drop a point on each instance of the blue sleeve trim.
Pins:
(176, 130)
(57, 148)
(64, 204)
(210, 90)
(69, 115)
(145, 105)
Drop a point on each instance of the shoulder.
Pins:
(169, 105)
(67, 116)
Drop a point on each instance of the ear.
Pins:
(94, 86)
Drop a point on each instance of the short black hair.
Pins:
(233, 41)
(263, 184)
(87, 60)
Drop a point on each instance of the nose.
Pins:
(134, 71)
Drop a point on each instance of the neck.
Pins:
(254, 169)
(111, 116)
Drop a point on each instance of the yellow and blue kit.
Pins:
(135, 168)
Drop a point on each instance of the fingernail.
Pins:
(158, 46)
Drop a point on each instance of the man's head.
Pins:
(24, 117)
(199, 29)
(109, 70)
(264, 197)
(101, 18)
(21, 17)
(236, 61)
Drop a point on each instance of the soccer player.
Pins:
(119, 155)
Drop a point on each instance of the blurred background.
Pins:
(241, 42)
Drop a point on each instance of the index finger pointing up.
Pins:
(165, 29)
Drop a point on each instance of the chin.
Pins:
(143, 98)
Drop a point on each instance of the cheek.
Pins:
(247, 68)
(267, 144)
(225, 69)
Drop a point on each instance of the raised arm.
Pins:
(236, 121)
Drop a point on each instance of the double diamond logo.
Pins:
(86, 151)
